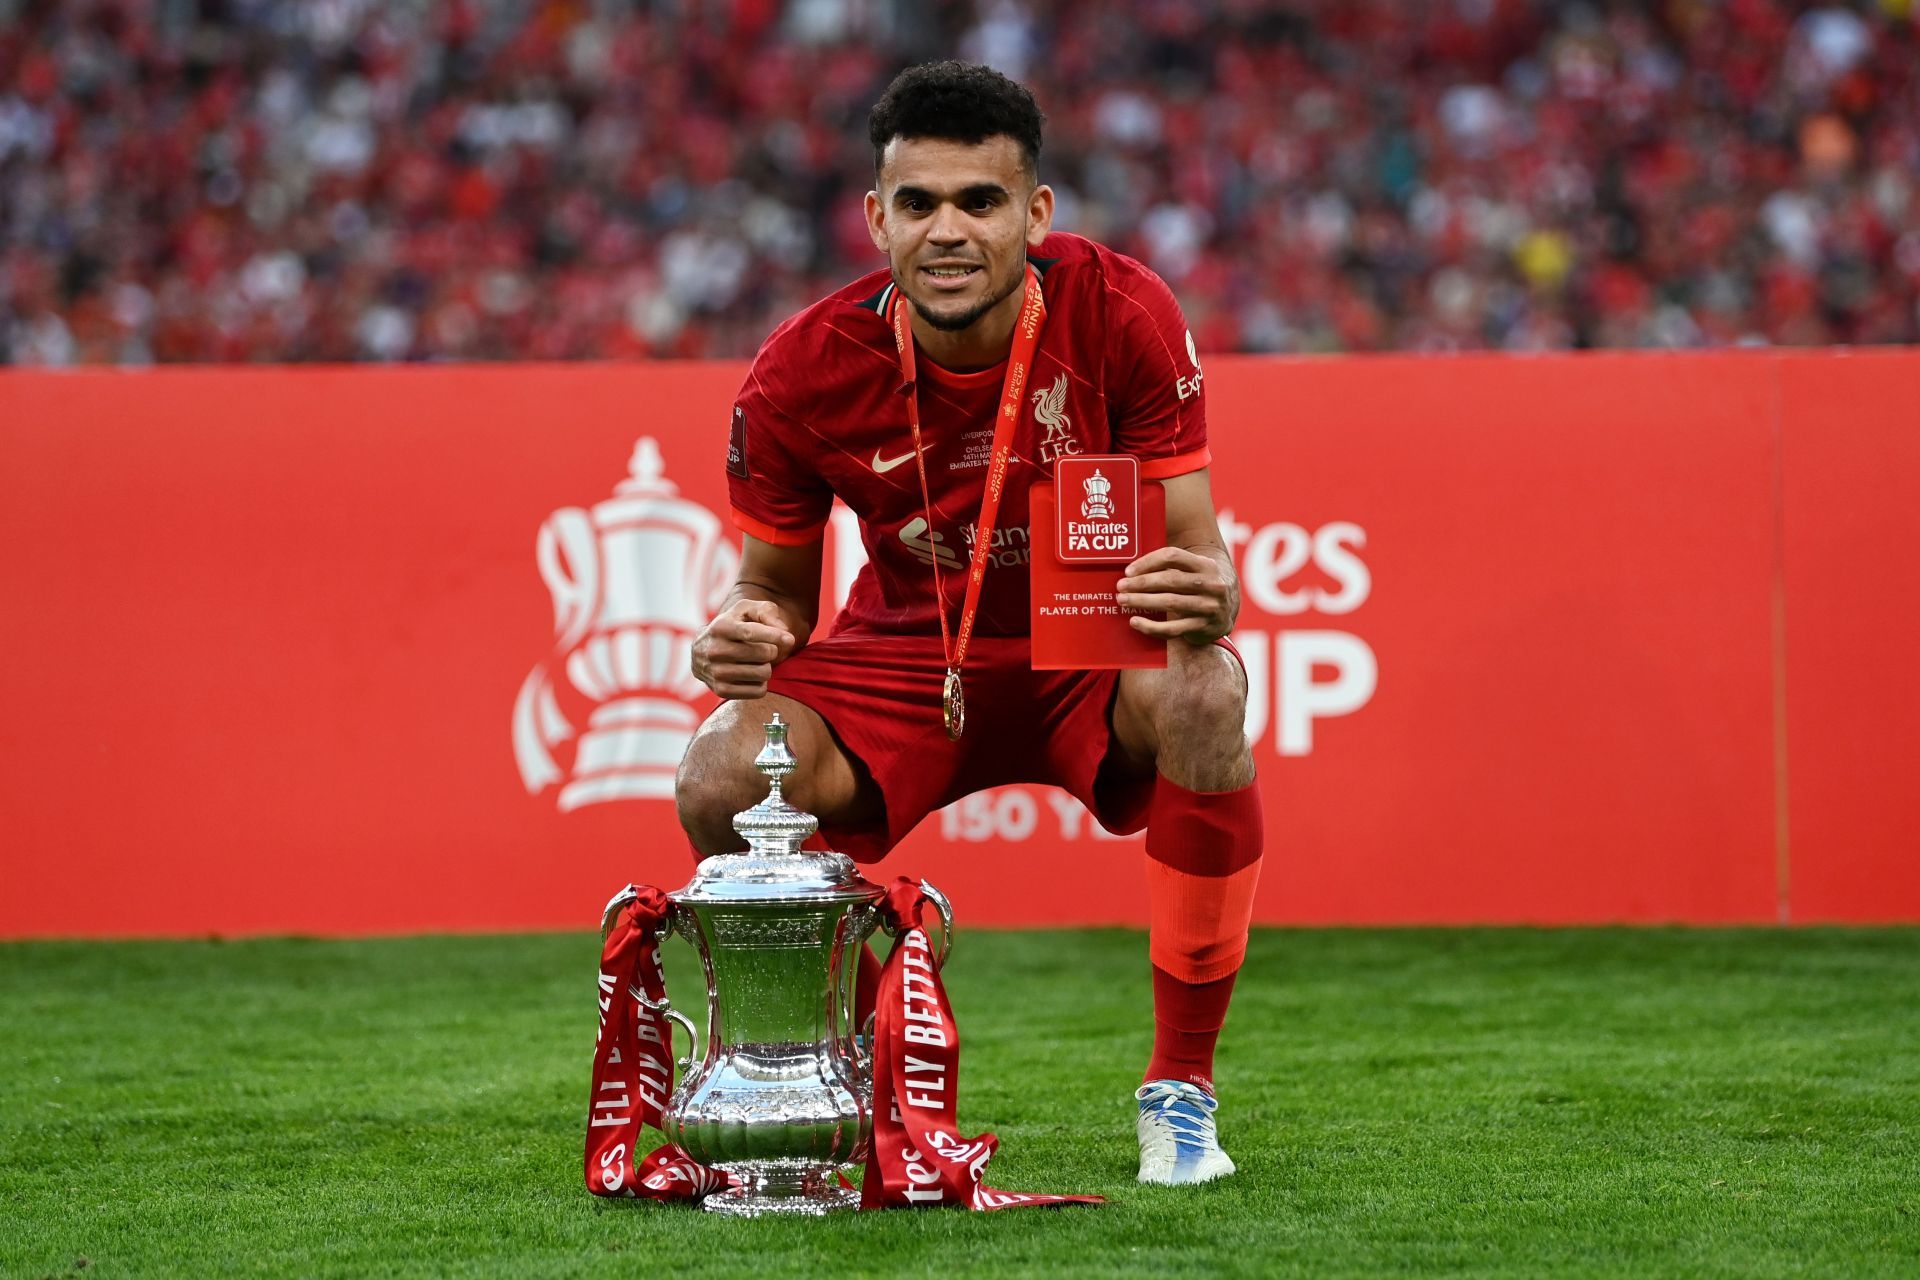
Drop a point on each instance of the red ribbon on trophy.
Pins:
(917, 1157)
(633, 1067)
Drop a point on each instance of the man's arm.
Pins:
(1191, 579)
(768, 615)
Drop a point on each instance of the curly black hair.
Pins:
(958, 101)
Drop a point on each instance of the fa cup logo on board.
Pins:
(1097, 505)
(1050, 411)
(633, 581)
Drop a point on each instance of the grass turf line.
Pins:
(1484, 1102)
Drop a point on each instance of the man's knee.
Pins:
(1197, 710)
(717, 780)
(1205, 693)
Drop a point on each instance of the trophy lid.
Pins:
(775, 867)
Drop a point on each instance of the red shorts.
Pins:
(880, 694)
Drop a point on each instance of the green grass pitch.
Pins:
(1477, 1102)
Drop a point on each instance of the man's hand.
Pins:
(736, 653)
(1196, 591)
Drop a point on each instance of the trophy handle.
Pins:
(665, 1009)
(945, 908)
(863, 1051)
(614, 904)
(660, 1006)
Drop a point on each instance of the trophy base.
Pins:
(772, 1189)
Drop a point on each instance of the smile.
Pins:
(949, 277)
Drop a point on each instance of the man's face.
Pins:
(955, 221)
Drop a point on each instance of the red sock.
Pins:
(1203, 863)
(1187, 1018)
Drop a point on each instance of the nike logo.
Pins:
(883, 465)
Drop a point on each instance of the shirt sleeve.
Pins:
(1159, 404)
(772, 493)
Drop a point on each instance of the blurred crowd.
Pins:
(332, 180)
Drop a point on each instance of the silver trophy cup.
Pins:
(781, 1093)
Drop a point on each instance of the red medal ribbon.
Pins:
(633, 1068)
(1026, 340)
(918, 1157)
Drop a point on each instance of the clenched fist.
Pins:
(734, 656)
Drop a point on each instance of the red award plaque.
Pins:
(1088, 525)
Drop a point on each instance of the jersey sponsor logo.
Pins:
(737, 445)
(1190, 387)
(1050, 411)
(883, 465)
(608, 713)
(925, 546)
(1012, 546)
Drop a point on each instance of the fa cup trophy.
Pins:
(781, 1091)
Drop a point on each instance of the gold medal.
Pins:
(953, 706)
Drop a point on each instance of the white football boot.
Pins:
(1178, 1143)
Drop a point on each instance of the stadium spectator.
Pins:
(271, 180)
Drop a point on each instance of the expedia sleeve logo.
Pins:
(1190, 387)
(737, 445)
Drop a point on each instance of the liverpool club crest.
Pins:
(1050, 411)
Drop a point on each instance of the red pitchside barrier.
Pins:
(1554, 639)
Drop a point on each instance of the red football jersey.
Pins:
(821, 416)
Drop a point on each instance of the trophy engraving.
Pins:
(752, 931)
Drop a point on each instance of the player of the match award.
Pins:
(1088, 525)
